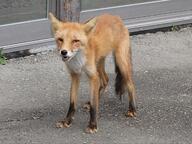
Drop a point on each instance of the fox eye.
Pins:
(60, 40)
(75, 41)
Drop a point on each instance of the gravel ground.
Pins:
(34, 94)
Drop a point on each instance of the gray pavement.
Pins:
(34, 94)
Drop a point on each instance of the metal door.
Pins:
(141, 14)
(24, 23)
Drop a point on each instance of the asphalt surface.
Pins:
(34, 95)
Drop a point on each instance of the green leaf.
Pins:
(2, 61)
(2, 58)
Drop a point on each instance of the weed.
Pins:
(175, 28)
(2, 58)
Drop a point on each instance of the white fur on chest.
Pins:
(76, 63)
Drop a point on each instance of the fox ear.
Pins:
(90, 24)
(55, 23)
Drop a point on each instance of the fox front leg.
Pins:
(94, 103)
(73, 102)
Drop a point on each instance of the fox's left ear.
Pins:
(90, 24)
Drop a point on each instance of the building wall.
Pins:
(24, 23)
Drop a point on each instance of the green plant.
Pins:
(2, 58)
(175, 28)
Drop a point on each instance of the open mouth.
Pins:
(65, 58)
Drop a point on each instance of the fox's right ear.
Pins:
(55, 23)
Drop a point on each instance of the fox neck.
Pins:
(76, 63)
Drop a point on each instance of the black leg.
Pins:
(70, 113)
(93, 119)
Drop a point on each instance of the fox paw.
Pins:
(131, 113)
(90, 130)
(87, 106)
(63, 124)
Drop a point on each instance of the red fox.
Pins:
(84, 47)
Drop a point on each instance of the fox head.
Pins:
(71, 37)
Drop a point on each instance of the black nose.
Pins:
(64, 52)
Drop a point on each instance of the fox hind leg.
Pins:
(124, 76)
(103, 81)
(102, 74)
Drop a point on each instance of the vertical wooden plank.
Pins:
(70, 10)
